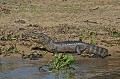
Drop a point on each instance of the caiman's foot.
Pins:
(78, 53)
(106, 56)
(95, 56)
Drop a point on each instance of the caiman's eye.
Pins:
(40, 35)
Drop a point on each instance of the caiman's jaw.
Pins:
(35, 37)
(44, 39)
(40, 38)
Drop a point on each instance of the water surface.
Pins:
(17, 68)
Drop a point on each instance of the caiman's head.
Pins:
(42, 38)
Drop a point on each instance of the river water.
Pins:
(85, 68)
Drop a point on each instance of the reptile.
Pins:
(70, 46)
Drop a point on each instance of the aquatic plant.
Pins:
(59, 61)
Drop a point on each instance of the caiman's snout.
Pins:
(44, 39)
(34, 35)
(41, 38)
(37, 37)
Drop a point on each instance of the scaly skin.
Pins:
(70, 46)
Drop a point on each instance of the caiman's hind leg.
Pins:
(95, 56)
(80, 49)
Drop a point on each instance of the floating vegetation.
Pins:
(59, 61)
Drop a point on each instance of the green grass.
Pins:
(89, 37)
(113, 32)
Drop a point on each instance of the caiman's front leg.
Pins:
(54, 51)
(80, 49)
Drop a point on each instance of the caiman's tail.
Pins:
(100, 51)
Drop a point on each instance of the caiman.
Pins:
(70, 46)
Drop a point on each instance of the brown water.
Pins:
(17, 68)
